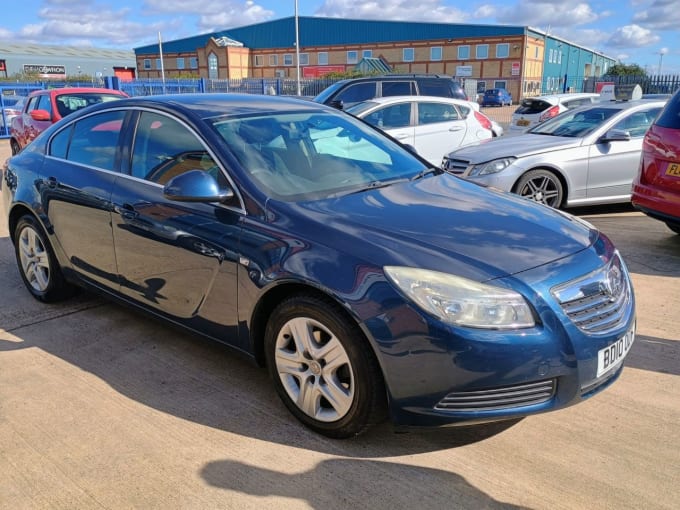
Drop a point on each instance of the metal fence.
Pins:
(309, 87)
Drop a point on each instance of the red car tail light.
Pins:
(483, 120)
(549, 113)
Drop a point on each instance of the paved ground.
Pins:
(101, 407)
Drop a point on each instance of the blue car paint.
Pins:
(339, 247)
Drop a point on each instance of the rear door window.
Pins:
(398, 88)
(357, 92)
(670, 116)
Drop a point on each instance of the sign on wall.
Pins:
(463, 71)
(45, 71)
(515, 69)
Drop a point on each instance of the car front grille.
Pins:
(597, 302)
(507, 397)
(455, 166)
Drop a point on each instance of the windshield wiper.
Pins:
(427, 171)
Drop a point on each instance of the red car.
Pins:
(43, 108)
(656, 189)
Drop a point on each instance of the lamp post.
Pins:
(297, 49)
(662, 52)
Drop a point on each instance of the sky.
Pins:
(642, 32)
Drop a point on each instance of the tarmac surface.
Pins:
(103, 407)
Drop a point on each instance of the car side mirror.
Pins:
(196, 186)
(616, 135)
(337, 103)
(41, 115)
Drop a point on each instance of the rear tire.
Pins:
(323, 368)
(541, 186)
(37, 264)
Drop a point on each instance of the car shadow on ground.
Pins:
(390, 483)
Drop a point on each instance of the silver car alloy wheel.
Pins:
(35, 262)
(543, 189)
(314, 369)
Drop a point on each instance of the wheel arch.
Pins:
(277, 294)
(17, 212)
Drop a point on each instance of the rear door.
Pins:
(439, 129)
(78, 177)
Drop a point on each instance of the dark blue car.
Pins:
(496, 97)
(369, 283)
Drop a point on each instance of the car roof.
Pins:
(557, 98)
(417, 99)
(75, 90)
(620, 105)
(213, 105)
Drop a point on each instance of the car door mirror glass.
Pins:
(616, 135)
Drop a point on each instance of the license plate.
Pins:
(611, 356)
(673, 169)
(523, 122)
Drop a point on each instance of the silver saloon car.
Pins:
(584, 156)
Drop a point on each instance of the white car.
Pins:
(534, 110)
(433, 126)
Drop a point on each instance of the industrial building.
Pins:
(524, 60)
(43, 62)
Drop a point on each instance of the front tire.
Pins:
(323, 367)
(38, 266)
(675, 227)
(16, 148)
(541, 186)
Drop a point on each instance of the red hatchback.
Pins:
(656, 189)
(43, 108)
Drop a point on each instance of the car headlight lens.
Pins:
(492, 167)
(461, 301)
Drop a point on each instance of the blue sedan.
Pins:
(367, 282)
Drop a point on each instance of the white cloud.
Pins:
(547, 13)
(632, 36)
(661, 15)
(408, 10)
(213, 15)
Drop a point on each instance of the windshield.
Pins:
(328, 92)
(575, 123)
(303, 156)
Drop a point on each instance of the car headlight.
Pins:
(492, 167)
(461, 301)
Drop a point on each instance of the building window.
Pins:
(304, 59)
(367, 54)
(559, 57)
(500, 84)
(464, 52)
(536, 52)
(482, 51)
(259, 60)
(147, 63)
(288, 59)
(322, 58)
(352, 57)
(180, 63)
(502, 51)
(213, 73)
(158, 63)
(436, 53)
(193, 62)
(273, 60)
(408, 55)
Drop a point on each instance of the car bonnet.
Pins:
(519, 146)
(444, 223)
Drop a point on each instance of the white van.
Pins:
(534, 110)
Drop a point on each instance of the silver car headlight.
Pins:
(492, 167)
(461, 301)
